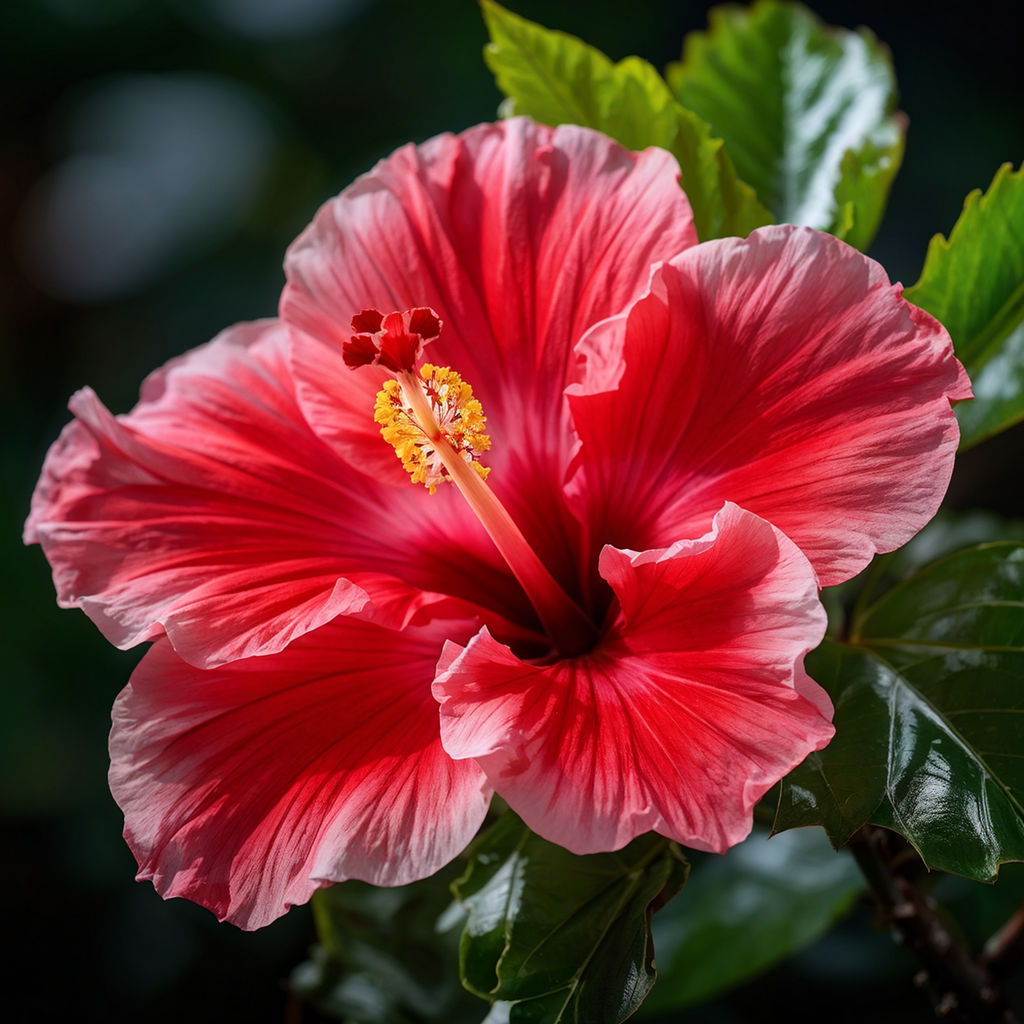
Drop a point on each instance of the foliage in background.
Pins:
(387, 955)
(808, 113)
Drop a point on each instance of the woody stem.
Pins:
(960, 988)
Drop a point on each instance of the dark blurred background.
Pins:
(156, 157)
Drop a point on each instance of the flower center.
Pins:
(436, 427)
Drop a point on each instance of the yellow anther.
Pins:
(416, 414)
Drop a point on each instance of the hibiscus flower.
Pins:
(646, 456)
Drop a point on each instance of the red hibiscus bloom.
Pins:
(684, 441)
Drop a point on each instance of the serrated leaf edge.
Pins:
(939, 247)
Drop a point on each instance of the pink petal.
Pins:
(213, 513)
(520, 237)
(249, 786)
(784, 373)
(692, 706)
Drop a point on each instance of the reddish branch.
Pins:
(1005, 950)
(960, 987)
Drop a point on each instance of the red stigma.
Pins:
(394, 341)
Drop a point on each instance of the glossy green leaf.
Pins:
(841, 786)
(387, 956)
(558, 79)
(934, 684)
(949, 532)
(807, 112)
(955, 785)
(742, 912)
(972, 600)
(974, 283)
(562, 937)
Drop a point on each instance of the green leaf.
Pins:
(807, 112)
(557, 79)
(387, 956)
(558, 936)
(972, 600)
(934, 686)
(742, 912)
(998, 393)
(948, 532)
(974, 283)
(841, 786)
(865, 177)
